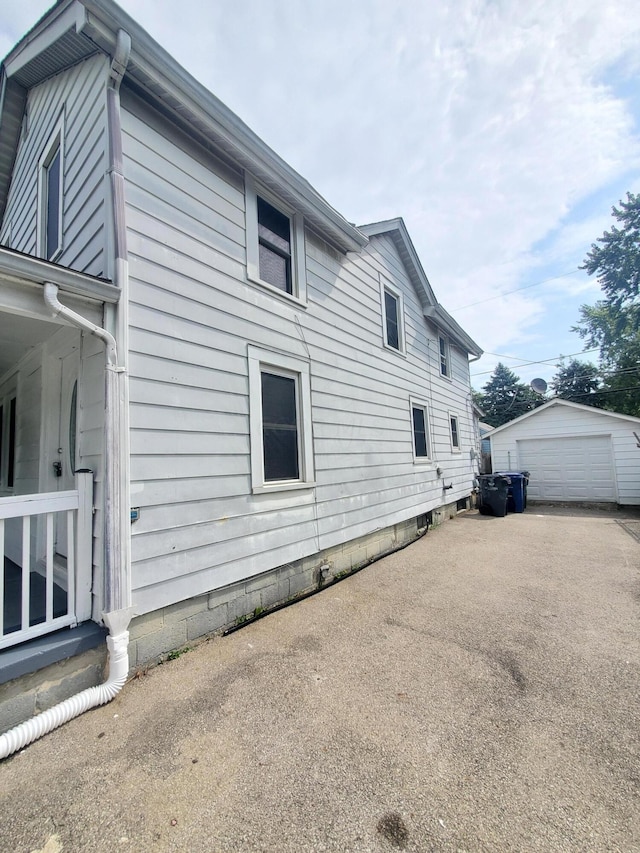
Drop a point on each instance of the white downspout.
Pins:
(117, 587)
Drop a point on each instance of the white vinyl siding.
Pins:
(192, 314)
(75, 99)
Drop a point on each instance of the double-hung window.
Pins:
(275, 243)
(50, 197)
(420, 431)
(454, 430)
(392, 317)
(280, 421)
(445, 356)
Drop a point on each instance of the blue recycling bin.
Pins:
(516, 500)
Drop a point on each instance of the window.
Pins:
(443, 346)
(420, 431)
(280, 421)
(50, 198)
(275, 243)
(392, 318)
(8, 442)
(455, 432)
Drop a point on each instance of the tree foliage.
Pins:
(613, 323)
(505, 397)
(577, 381)
(616, 261)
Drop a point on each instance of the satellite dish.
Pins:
(539, 386)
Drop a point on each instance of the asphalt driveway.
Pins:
(477, 691)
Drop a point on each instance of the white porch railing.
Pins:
(41, 591)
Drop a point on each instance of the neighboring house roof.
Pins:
(558, 402)
(432, 310)
(75, 29)
(484, 428)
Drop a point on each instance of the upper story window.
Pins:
(280, 422)
(50, 197)
(275, 243)
(445, 356)
(454, 429)
(420, 431)
(392, 317)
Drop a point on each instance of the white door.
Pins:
(574, 468)
(62, 373)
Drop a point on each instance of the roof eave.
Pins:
(159, 75)
(26, 268)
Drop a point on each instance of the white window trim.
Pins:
(387, 286)
(454, 449)
(298, 369)
(298, 264)
(415, 403)
(447, 344)
(56, 140)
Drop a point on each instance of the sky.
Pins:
(502, 131)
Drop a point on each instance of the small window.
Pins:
(11, 449)
(392, 318)
(455, 432)
(275, 243)
(420, 432)
(50, 198)
(280, 421)
(443, 345)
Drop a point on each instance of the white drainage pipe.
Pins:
(34, 728)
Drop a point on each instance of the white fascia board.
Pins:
(397, 229)
(20, 267)
(445, 321)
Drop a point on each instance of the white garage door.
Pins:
(579, 468)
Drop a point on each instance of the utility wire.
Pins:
(528, 363)
(517, 290)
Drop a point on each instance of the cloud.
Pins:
(489, 125)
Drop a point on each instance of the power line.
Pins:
(517, 290)
(528, 363)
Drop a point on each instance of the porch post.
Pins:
(84, 549)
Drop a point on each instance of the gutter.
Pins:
(117, 585)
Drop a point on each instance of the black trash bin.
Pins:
(493, 494)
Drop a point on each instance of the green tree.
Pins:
(615, 332)
(577, 381)
(505, 397)
(616, 261)
(613, 323)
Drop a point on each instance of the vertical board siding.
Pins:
(192, 315)
(78, 95)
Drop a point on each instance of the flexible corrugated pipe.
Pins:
(34, 728)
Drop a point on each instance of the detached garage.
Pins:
(573, 453)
